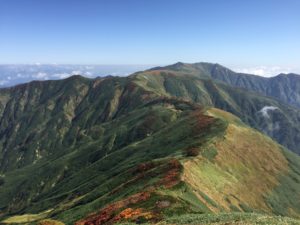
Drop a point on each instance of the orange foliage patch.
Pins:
(172, 176)
(170, 173)
(133, 214)
(109, 212)
(128, 213)
(203, 122)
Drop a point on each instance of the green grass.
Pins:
(282, 199)
(210, 153)
(231, 218)
(225, 219)
(26, 218)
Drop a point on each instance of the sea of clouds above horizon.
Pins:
(13, 74)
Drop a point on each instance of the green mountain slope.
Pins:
(284, 87)
(278, 120)
(141, 148)
(185, 163)
(40, 119)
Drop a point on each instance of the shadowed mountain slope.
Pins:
(278, 120)
(283, 87)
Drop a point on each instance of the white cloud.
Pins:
(88, 74)
(119, 73)
(40, 75)
(20, 75)
(266, 109)
(266, 71)
(61, 75)
(76, 72)
(3, 82)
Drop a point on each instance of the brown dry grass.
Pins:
(245, 169)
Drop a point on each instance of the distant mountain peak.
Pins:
(179, 64)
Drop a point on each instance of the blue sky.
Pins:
(237, 33)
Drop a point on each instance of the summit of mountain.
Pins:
(283, 87)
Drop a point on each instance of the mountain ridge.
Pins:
(143, 148)
(66, 101)
(240, 102)
(284, 87)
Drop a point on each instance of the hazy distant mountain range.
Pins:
(15, 74)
